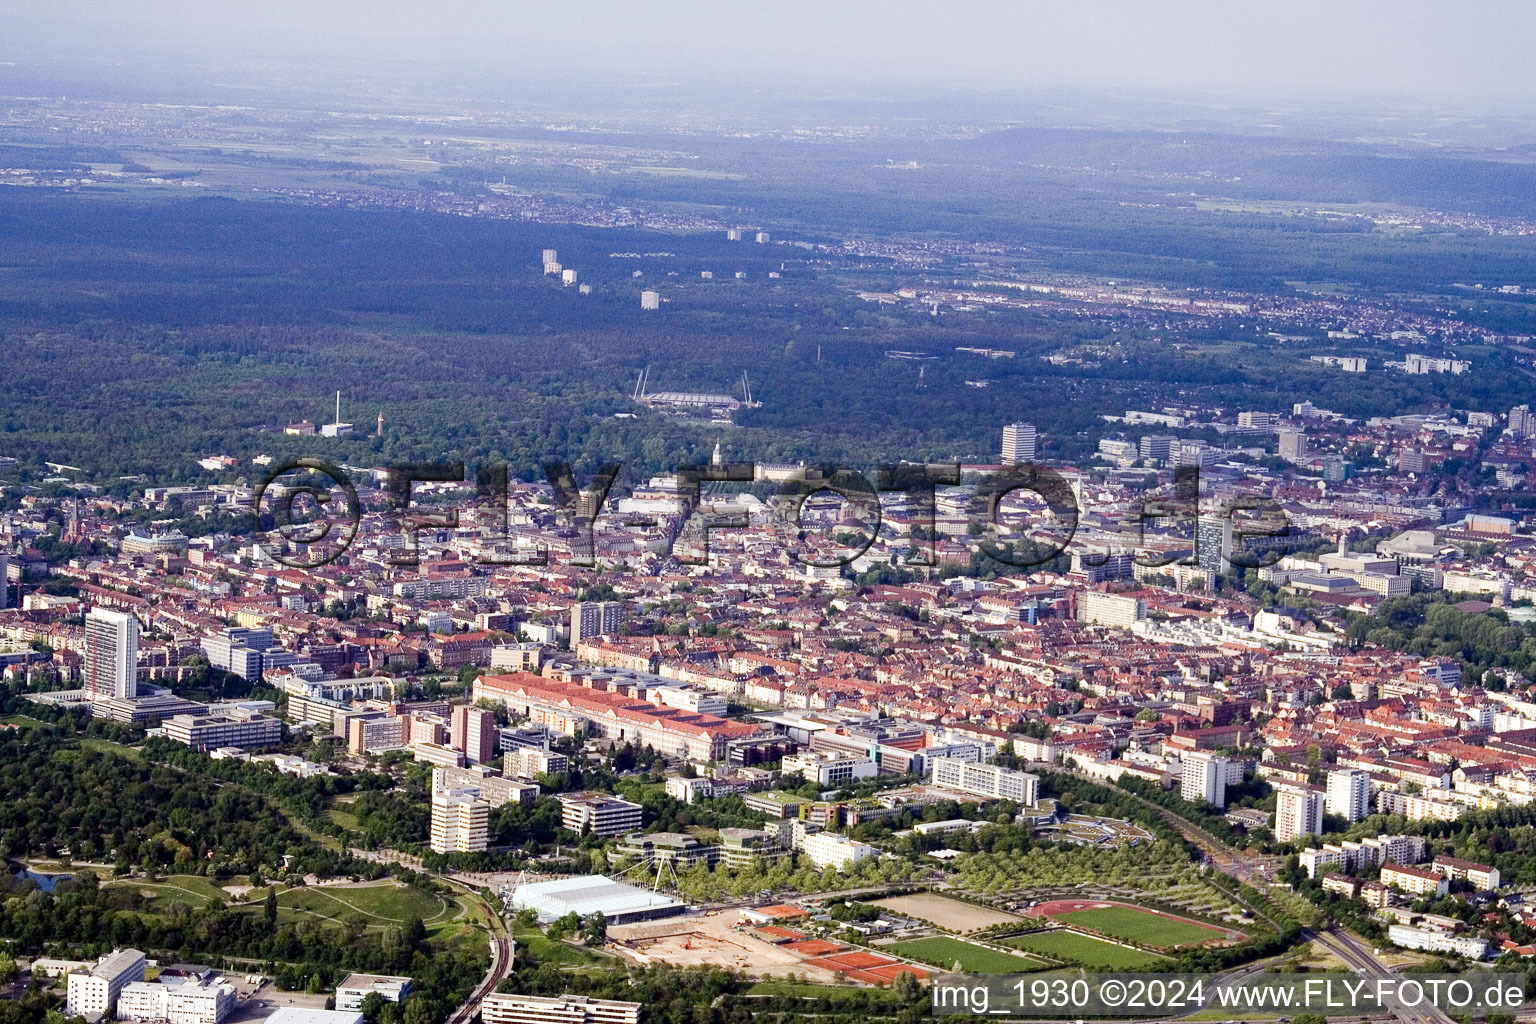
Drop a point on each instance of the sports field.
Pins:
(942, 951)
(1085, 950)
(1161, 931)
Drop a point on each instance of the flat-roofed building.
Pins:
(500, 1008)
(354, 988)
(177, 1001)
(826, 768)
(832, 850)
(674, 848)
(111, 654)
(569, 707)
(1298, 811)
(235, 727)
(589, 894)
(460, 820)
(600, 814)
(985, 780)
(95, 991)
(1430, 940)
(530, 762)
(743, 847)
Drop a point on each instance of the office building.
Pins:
(1257, 420)
(1298, 812)
(1522, 422)
(568, 708)
(95, 992)
(595, 618)
(601, 815)
(493, 789)
(987, 780)
(474, 733)
(1020, 443)
(748, 847)
(1203, 778)
(1293, 446)
(650, 300)
(1349, 794)
(354, 988)
(500, 1008)
(828, 769)
(111, 655)
(305, 1015)
(177, 1001)
(241, 652)
(831, 850)
(1432, 941)
(226, 727)
(1155, 448)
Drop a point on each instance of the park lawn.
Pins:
(193, 890)
(943, 951)
(553, 951)
(1138, 926)
(102, 746)
(346, 819)
(1085, 950)
(382, 905)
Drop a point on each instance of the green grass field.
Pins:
(386, 903)
(1085, 950)
(193, 890)
(1139, 926)
(945, 952)
(545, 950)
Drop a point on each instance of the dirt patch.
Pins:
(951, 915)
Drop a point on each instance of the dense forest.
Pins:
(138, 335)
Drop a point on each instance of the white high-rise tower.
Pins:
(1020, 443)
(111, 654)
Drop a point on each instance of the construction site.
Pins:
(730, 939)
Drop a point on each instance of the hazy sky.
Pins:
(1431, 48)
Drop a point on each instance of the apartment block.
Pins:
(1418, 881)
(530, 762)
(1298, 811)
